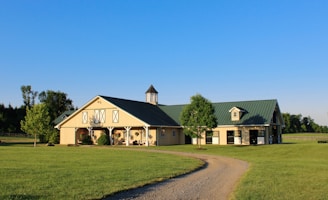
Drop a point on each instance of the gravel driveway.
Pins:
(216, 180)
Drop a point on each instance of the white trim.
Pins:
(102, 116)
(84, 117)
(77, 111)
(147, 135)
(115, 116)
(236, 108)
(127, 128)
(224, 126)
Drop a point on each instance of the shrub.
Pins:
(103, 140)
(54, 137)
(87, 140)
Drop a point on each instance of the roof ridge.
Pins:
(123, 99)
(224, 102)
(246, 101)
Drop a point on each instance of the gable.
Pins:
(100, 113)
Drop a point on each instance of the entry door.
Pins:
(253, 136)
(230, 137)
(187, 139)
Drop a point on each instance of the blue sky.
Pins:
(223, 50)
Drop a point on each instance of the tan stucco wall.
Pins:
(170, 136)
(67, 129)
(67, 136)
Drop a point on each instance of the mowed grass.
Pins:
(81, 172)
(297, 169)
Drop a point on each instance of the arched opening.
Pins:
(82, 134)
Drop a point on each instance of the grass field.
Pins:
(80, 172)
(297, 169)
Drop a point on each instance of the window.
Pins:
(173, 133)
(99, 116)
(102, 116)
(209, 135)
(96, 117)
(84, 117)
(115, 116)
(235, 115)
(261, 133)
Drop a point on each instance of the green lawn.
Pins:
(297, 169)
(81, 172)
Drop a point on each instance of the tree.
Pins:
(198, 117)
(56, 103)
(28, 95)
(299, 124)
(36, 121)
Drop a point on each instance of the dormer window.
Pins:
(236, 113)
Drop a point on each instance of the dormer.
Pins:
(236, 113)
(152, 95)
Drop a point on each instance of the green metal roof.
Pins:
(257, 112)
(63, 116)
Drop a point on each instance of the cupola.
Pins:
(152, 95)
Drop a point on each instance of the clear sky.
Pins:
(224, 50)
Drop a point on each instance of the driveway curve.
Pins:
(216, 180)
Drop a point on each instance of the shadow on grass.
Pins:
(202, 148)
(289, 143)
(20, 197)
(261, 145)
(27, 144)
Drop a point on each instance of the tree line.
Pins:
(54, 103)
(299, 124)
(35, 118)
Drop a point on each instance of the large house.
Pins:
(147, 123)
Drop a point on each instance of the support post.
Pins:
(76, 139)
(110, 135)
(128, 128)
(147, 135)
(89, 130)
